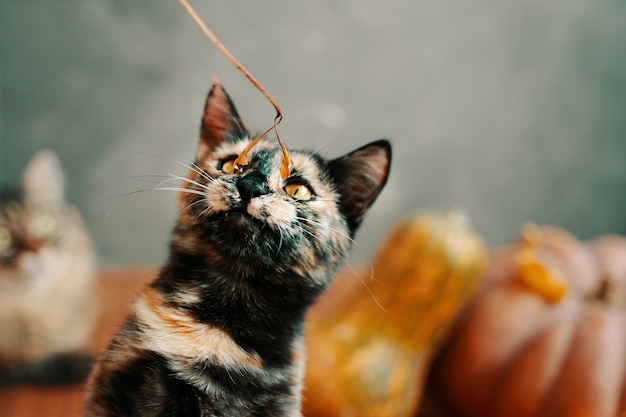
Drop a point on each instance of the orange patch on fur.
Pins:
(174, 332)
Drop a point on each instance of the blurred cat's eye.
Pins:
(229, 167)
(43, 226)
(299, 191)
(6, 241)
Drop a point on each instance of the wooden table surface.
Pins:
(118, 287)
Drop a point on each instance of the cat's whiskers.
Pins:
(189, 165)
(168, 177)
(369, 290)
(326, 245)
(327, 143)
(206, 210)
(203, 212)
(195, 168)
(120, 197)
(179, 189)
(282, 231)
(332, 229)
(350, 266)
(280, 242)
(204, 201)
(187, 180)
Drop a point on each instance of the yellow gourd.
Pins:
(372, 336)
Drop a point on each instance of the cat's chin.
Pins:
(240, 219)
(240, 237)
(243, 225)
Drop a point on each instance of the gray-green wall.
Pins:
(514, 110)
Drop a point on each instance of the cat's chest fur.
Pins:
(220, 332)
(197, 348)
(208, 369)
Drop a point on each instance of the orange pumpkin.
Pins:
(371, 337)
(545, 336)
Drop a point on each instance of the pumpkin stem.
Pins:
(607, 293)
(604, 289)
(531, 234)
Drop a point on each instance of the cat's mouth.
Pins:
(239, 215)
(239, 212)
(243, 222)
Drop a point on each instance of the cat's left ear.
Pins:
(42, 180)
(220, 121)
(360, 176)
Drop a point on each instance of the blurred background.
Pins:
(514, 111)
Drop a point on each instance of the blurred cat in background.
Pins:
(47, 280)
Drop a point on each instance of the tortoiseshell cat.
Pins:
(47, 279)
(220, 330)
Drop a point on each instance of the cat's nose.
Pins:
(251, 185)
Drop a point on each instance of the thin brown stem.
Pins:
(242, 160)
(228, 55)
(285, 167)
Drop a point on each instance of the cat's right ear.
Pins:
(220, 121)
(360, 176)
(42, 180)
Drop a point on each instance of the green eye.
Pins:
(6, 241)
(299, 191)
(228, 167)
(43, 226)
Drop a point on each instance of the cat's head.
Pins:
(31, 214)
(257, 219)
